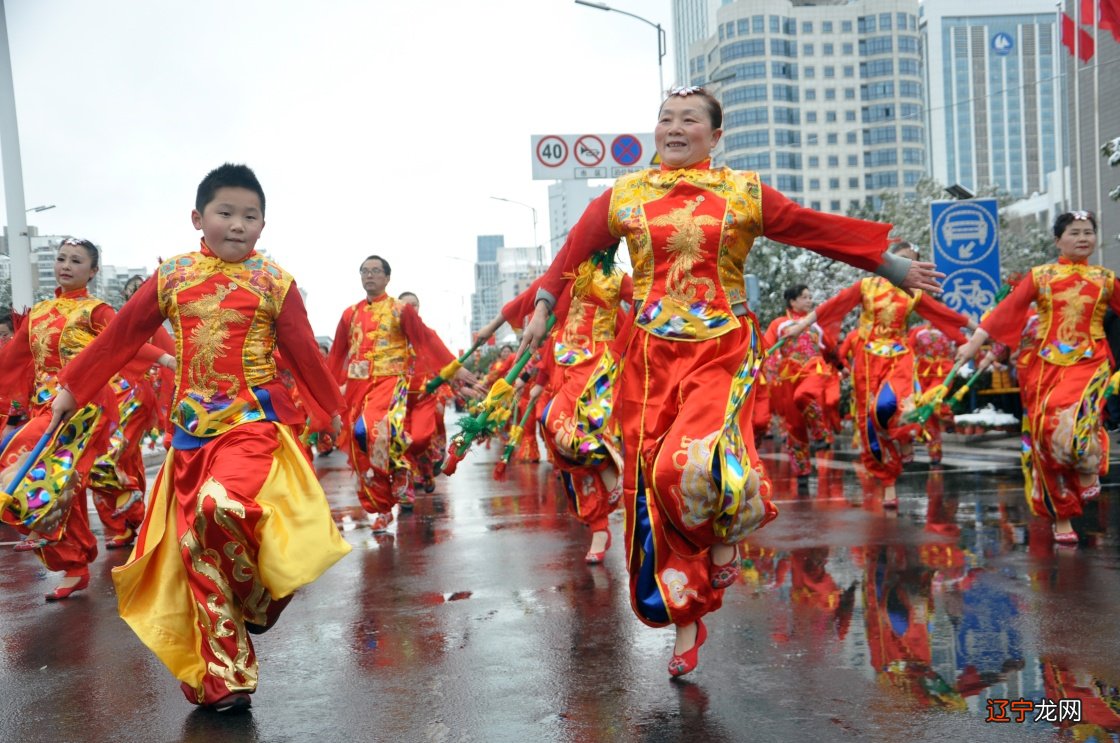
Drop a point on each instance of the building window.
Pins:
(830, 118)
(834, 184)
(815, 205)
(747, 116)
(830, 94)
(834, 205)
(814, 184)
(834, 161)
(866, 24)
(846, 27)
(806, 50)
(853, 161)
(745, 94)
(744, 26)
(758, 24)
(849, 94)
(810, 94)
(786, 93)
(787, 138)
(730, 26)
(788, 161)
(775, 24)
(876, 45)
(907, 44)
(814, 161)
(743, 140)
(829, 72)
(810, 140)
(810, 72)
(784, 115)
(828, 50)
(826, 27)
(850, 137)
(790, 183)
(832, 138)
(810, 117)
(806, 27)
(759, 161)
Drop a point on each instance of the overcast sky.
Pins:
(374, 126)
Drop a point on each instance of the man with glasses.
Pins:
(370, 357)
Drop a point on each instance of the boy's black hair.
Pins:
(227, 176)
(407, 294)
(793, 293)
(384, 264)
(1064, 220)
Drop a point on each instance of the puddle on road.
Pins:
(959, 601)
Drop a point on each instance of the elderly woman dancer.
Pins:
(693, 486)
(1068, 371)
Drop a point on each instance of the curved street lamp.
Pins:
(662, 44)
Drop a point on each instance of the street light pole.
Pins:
(540, 257)
(19, 242)
(662, 43)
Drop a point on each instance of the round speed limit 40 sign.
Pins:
(552, 151)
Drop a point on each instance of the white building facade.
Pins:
(826, 102)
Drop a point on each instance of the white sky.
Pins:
(375, 126)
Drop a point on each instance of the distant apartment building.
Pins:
(823, 98)
(486, 299)
(994, 82)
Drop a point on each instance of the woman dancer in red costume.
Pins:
(933, 358)
(693, 486)
(1064, 378)
(53, 498)
(117, 479)
(883, 380)
(804, 378)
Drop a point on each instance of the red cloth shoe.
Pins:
(686, 661)
(596, 558)
(30, 545)
(61, 593)
(1066, 537)
(724, 575)
(120, 542)
(379, 523)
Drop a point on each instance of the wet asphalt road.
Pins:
(476, 619)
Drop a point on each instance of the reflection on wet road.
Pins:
(476, 619)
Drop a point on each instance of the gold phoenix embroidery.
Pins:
(687, 245)
(209, 338)
(41, 339)
(1073, 308)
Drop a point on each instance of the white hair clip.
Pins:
(1081, 214)
(685, 90)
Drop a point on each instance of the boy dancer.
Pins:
(238, 520)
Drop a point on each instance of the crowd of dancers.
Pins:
(648, 392)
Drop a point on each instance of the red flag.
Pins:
(1105, 14)
(1110, 17)
(1074, 38)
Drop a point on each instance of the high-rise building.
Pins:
(692, 20)
(994, 92)
(567, 200)
(824, 98)
(486, 300)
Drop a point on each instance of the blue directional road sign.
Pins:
(965, 236)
